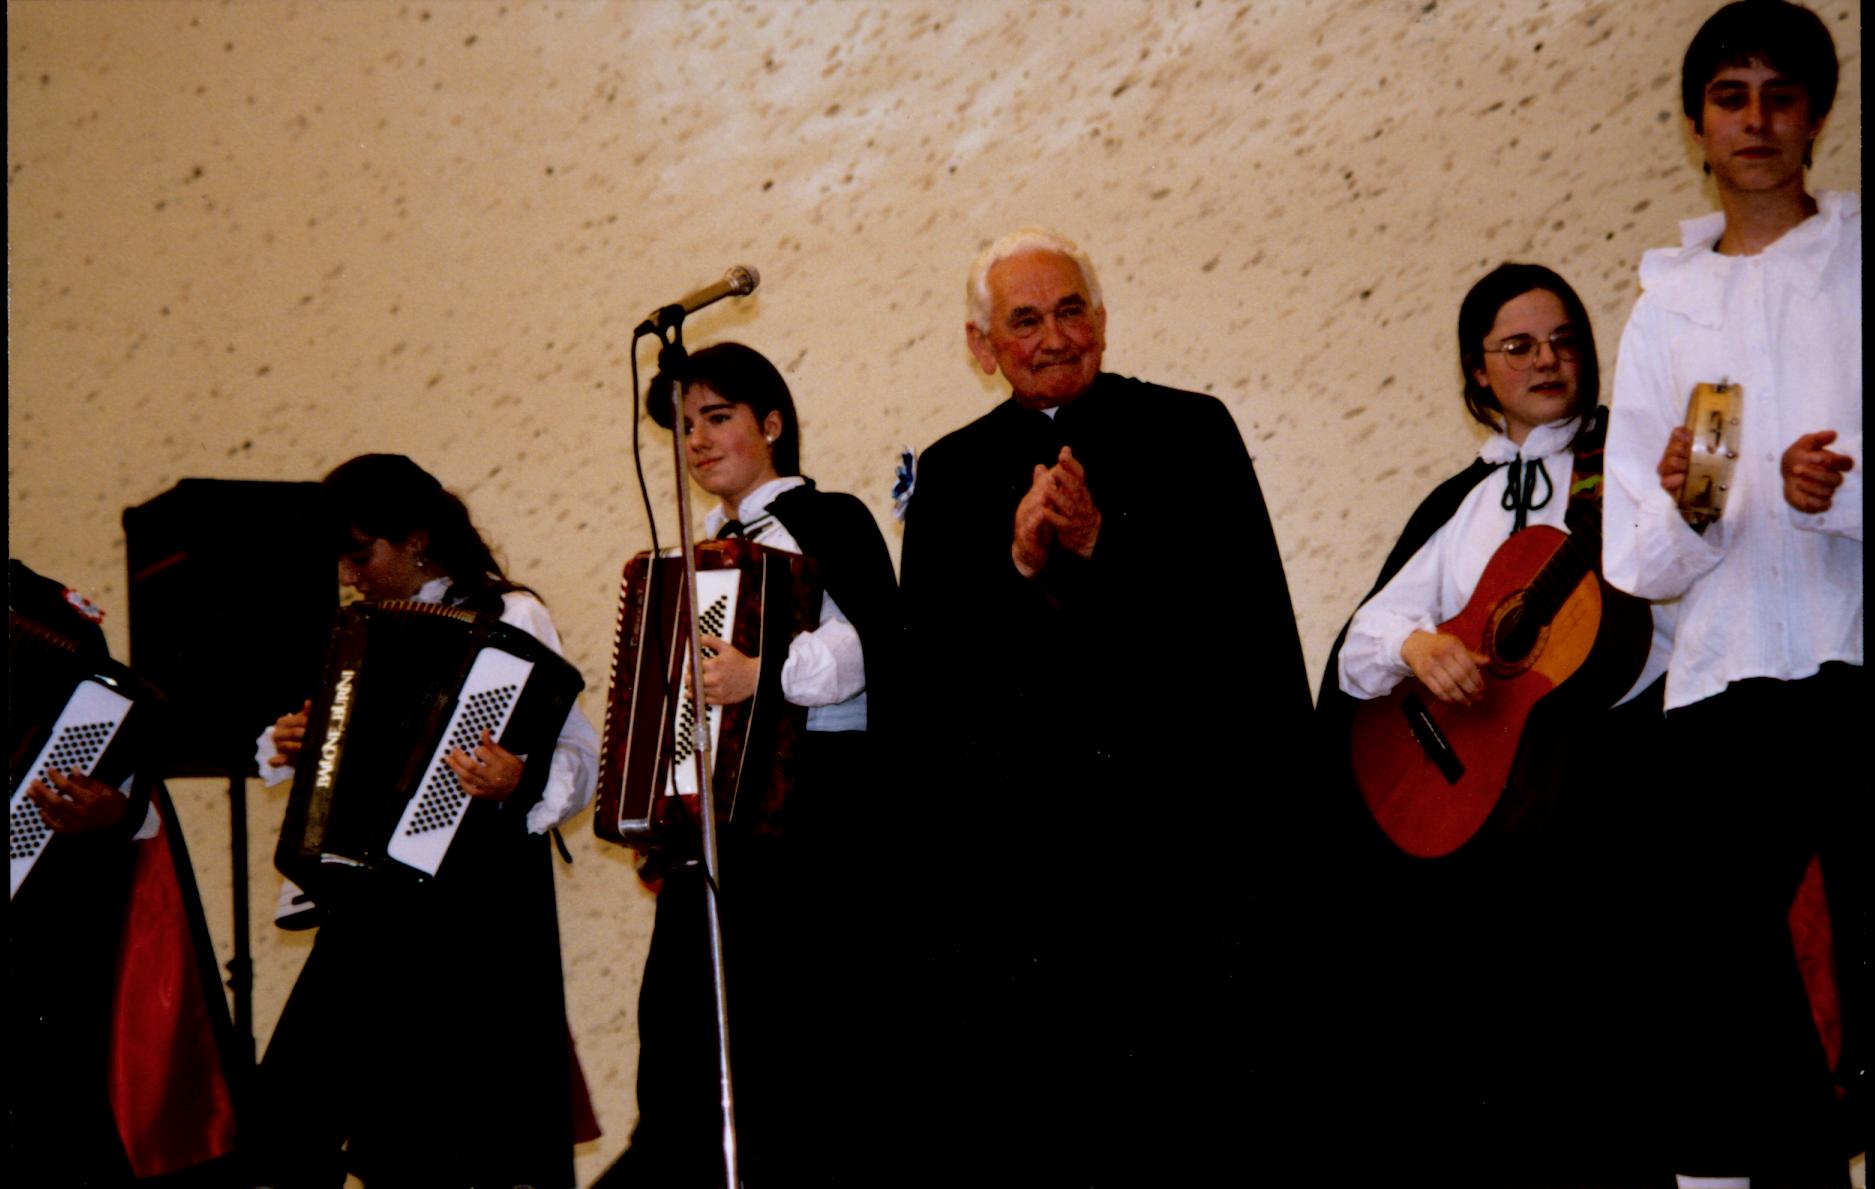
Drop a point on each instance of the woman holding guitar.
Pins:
(1531, 377)
(1471, 694)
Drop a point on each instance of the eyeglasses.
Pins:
(1519, 350)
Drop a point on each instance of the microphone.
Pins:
(739, 281)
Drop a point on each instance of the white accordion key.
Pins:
(84, 729)
(435, 810)
(716, 594)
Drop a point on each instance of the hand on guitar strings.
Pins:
(1059, 509)
(729, 676)
(289, 735)
(1811, 473)
(1445, 666)
(491, 773)
(80, 804)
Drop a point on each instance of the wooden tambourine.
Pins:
(1713, 417)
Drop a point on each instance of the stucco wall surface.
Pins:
(250, 240)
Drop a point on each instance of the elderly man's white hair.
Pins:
(1022, 239)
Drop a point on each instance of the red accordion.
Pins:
(755, 598)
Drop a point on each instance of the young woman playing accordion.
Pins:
(793, 884)
(427, 1032)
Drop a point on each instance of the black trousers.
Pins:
(803, 992)
(424, 1044)
(1769, 774)
(1494, 1017)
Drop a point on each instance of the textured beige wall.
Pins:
(251, 240)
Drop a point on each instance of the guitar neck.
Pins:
(1579, 555)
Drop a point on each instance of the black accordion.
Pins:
(755, 598)
(71, 708)
(404, 685)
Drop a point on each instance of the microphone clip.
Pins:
(670, 317)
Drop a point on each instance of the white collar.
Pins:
(1832, 207)
(1541, 442)
(1684, 279)
(753, 505)
(432, 591)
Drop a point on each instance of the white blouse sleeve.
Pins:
(573, 771)
(827, 665)
(265, 750)
(1648, 549)
(1370, 664)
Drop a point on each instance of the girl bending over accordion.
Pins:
(427, 1032)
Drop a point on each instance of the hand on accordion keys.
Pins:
(491, 773)
(729, 676)
(79, 804)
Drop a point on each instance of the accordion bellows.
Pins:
(405, 684)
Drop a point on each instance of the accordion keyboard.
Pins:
(84, 729)
(429, 822)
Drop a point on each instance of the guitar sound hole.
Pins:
(1516, 635)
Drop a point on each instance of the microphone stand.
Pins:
(671, 357)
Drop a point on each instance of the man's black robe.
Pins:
(1102, 755)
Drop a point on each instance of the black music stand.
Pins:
(232, 590)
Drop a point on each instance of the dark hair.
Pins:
(1788, 38)
(1478, 312)
(741, 375)
(389, 496)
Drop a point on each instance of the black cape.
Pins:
(1485, 1018)
(123, 1054)
(1097, 757)
(807, 1001)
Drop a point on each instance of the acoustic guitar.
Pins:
(1432, 772)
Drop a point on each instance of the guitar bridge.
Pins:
(1432, 740)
